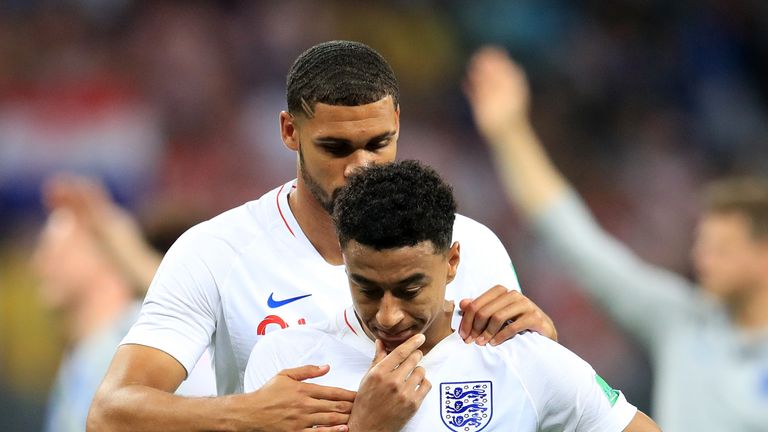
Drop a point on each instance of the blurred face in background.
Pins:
(67, 261)
(337, 140)
(729, 260)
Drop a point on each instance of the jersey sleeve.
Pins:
(484, 257)
(643, 298)
(264, 363)
(277, 351)
(180, 310)
(566, 392)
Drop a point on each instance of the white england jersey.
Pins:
(528, 383)
(251, 270)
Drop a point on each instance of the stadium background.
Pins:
(174, 104)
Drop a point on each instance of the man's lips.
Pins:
(394, 338)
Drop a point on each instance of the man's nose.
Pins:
(359, 159)
(390, 313)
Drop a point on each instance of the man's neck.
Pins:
(433, 340)
(440, 329)
(316, 223)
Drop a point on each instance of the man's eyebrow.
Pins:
(418, 277)
(332, 140)
(344, 141)
(382, 137)
(361, 280)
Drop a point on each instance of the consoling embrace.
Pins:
(396, 345)
(227, 282)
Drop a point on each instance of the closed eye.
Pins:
(373, 294)
(336, 149)
(378, 145)
(409, 293)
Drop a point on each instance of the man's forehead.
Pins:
(383, 108)
(359, 254)
(734, 218)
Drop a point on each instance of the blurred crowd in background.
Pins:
(174, 105)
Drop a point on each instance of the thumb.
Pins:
(305, 372)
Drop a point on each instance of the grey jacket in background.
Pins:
(708, 375)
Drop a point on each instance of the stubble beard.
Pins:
(322, 197)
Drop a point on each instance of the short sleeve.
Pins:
(180, 310)
(566, 392)
(263, 363)
(277, 351)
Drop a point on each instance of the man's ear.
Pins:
(453, 261)
(288, 131)
(397, 120)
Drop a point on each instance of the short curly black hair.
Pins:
(342, 73)
(396, 205)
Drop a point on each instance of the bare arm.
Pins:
(136, 395)
(642, 423)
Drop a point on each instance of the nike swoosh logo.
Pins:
(272, 303)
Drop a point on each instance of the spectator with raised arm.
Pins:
(708, 343)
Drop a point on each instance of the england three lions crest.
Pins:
(466, 406)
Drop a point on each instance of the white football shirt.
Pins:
(528, 383)
(251, 270)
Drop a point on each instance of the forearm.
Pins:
(530, 179)
(610, 272)
(140, 408)
(137, 260)
(140, 267)
(605, 268)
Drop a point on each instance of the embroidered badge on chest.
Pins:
(466, 406)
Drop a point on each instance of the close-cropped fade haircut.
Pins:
(341, 73)
(744, 195)
(395, 205)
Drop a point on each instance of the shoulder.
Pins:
(564, 389)
(241, 223)
(464, 227)
(544, 366)
(234, 229)
(283, 349)
(532, 351)
(476, 237)
(484, 259)
(548, 370)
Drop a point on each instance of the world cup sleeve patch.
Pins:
(610, 393)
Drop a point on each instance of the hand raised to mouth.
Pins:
(392, 390)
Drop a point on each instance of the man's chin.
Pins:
(389, 347)
(392, 342)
